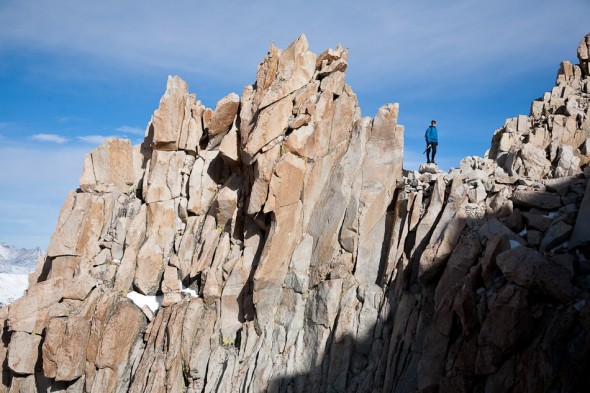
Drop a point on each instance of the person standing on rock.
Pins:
(431, 142)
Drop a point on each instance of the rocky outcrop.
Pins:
(276, 244)
(553, 141)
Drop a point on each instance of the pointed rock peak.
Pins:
(300, 42)
(175, 85)
(272, 48)
(298, 49)
(330, 55)
(295, 69)
(388, 112)
(223, 117)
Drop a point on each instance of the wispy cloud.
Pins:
(54, 138)
(426, 39)
(94, 139)
(131, 130)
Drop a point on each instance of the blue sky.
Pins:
(73, 73)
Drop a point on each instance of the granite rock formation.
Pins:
(275, 244)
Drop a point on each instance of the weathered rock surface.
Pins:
(276, 244)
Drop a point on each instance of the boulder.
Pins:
(568, 164)
(529, 269)
(222, 119)
(110, 166)
(23, 352)
(556, 235)
(538, 199)
(63, 357)
(429, 168)
(229, 148)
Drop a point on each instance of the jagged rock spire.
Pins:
(275, 244)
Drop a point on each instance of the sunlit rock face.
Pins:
(275, 243)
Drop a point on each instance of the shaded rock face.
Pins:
(275, 244)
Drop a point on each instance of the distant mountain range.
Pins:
(18, 260)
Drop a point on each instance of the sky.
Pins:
(73, 73)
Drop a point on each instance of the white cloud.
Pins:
(131, 130)
(94, 139)
(411, 42)
(49, 138)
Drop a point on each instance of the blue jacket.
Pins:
(431, 134)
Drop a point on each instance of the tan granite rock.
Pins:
(80, 225)
(153, 255)
(295, 68)
(223, 117)
(288, 250)
(121, 332)
(286, 182)
(229, 148)
(163, 178)
(167, 121)
(202, 185)
(23, 352)
(272, 122)
(109, 166)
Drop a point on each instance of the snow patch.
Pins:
(190, 291)
(12, 286)
(153, 302)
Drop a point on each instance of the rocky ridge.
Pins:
(278, 245)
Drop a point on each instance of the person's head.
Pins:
(433, 123)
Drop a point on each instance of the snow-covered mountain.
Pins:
(12, 286)
(18, 260)
(15, 266)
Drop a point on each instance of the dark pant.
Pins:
(431, 148)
